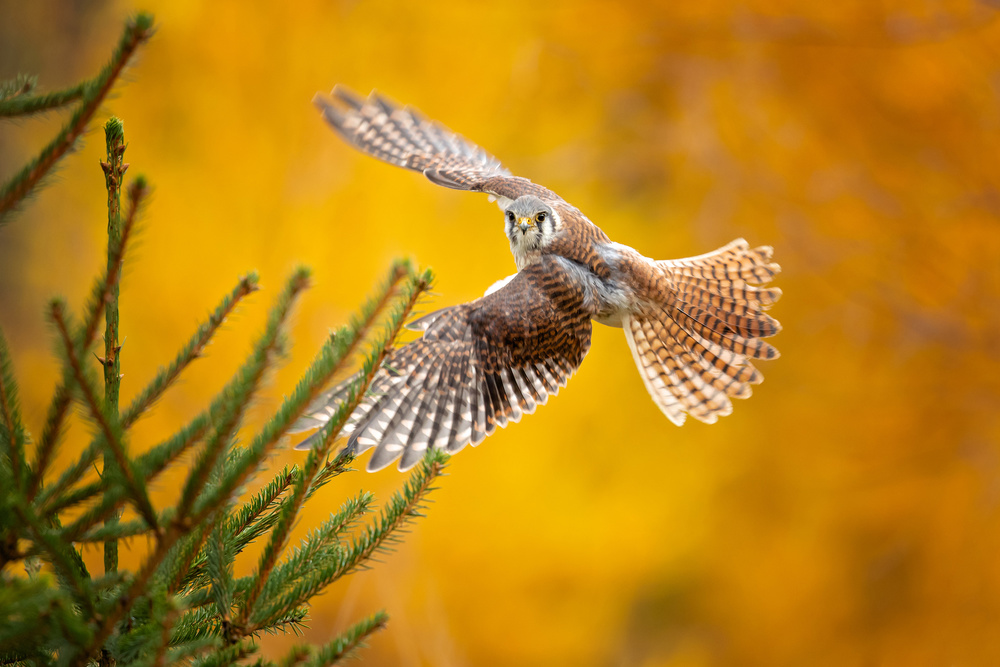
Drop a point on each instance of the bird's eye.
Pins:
(510, 215)
(540, 217)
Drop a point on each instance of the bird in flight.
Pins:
(693, 325)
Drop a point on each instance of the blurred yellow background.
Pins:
(847, 514)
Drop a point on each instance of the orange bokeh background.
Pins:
(847, 514)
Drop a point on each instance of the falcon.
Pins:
(693, 325)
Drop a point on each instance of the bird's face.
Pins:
(530, 223)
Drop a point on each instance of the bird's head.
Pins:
(530, 223)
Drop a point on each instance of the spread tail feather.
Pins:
(702, 323)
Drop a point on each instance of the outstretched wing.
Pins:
(477, 367)
(403, 137)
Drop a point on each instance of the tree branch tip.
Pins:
(301, 278)
(401, 267)
(139, 186)
(114, 131)
(250, 282)
(20, 85)
(142, 22)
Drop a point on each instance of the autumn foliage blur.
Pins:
(846, 514)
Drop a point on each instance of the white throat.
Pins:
(526, 252)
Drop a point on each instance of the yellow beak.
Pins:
(525, 222)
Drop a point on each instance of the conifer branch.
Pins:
(380, 350)
(24, 105)
(105, 287)
(335, 466)
(219, 562)
(403, 506)
(11, 427)
(258, 515)
(293, 620)
(99, 296)
(183, 602)
(228, 655)
(50, 433)
(114, 173)
(25, 605)
(251, 522)
(22, 84)
(155, 460)
(123, 530)
(361, 323)
(249, 514)
(320, 547)
(106, 624)
(249, 376)
(296, 656)
(107, 423)
(149, 465)
(291, 508)
(114, 497)
(326, 364)
(68, 565)
(137, 31)
(187, 553)
(183, 653)
(198, 621)
(168, 625)
(237, 401)
(347, 642)
(193, 350)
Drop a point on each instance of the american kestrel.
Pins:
(693, 325)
